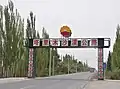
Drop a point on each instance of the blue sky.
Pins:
(86, 18)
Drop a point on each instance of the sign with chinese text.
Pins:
(84, 42)
(36, 42)
(100, 70)
(94, 42)
(100, 63)
(67, 43)
(74, 42)
(30, 65)
(45, 42)
(54, 42)
(64, 42)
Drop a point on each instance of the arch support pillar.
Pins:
(100, 64)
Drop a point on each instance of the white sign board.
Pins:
(64, 42)
(45, 42)
(74, 42)
(84, 42)
(54, 42)
(36, 42)
(94, 42)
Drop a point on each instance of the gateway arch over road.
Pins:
(99, 43)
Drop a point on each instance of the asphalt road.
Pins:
(72, 81)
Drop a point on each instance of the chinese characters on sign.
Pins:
(61, 43)
(74, 42)
(100, 63)
(36, 42)
(54, 42)
(45, 42)
(94, 42)
(64, 42)
(30, 65)
(84, 42)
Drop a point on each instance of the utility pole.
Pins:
(53, 65)
(86, 65)
(68, 64)
(50, 63)
(76, 65)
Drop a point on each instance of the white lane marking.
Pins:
(27, 87)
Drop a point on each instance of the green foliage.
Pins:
(109, 62)
(115, 75)
(113, 64)
(14, 56)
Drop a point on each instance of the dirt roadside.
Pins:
(103, 84)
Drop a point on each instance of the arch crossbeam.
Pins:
(68, 43)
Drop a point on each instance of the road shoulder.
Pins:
(106, 84)
(9, 80)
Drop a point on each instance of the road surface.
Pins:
(72, 81)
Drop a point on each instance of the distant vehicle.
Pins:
(91, 70)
